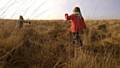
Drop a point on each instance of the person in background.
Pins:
(21, 21)
(77, 25)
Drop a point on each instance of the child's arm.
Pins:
(84, 25)
(67, 17)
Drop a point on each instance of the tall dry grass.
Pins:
(47, 44)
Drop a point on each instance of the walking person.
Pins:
(77, 25)
(21, 21)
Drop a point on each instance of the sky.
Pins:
(55, 9)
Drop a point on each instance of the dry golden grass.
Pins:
(47, 44)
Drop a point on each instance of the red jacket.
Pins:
(77, 23)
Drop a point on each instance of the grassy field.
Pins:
(47, 44)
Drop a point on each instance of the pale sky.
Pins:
(55, 9)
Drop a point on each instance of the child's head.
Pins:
(21, 17)
(76, 10)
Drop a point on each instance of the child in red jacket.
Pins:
(77, 24)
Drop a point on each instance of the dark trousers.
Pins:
(76, 39)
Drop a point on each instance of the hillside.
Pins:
(47, 44)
